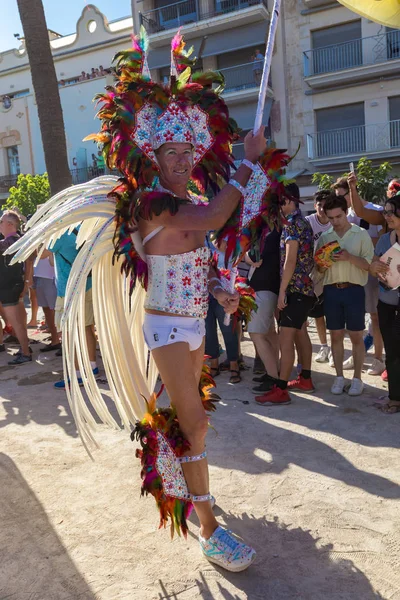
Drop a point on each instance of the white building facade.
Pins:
(334, 91)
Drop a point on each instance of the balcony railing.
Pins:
(354, 141)
(177, 14)
(7, 182)
(243, 77)
(360, 52)
(88, 173)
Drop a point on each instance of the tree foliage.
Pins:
(372, 181)
(30, 191)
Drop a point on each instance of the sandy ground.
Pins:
(314, 486)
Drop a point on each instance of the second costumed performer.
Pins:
(149, 227)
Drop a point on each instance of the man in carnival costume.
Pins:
(149, 226)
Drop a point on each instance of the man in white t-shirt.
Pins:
(373, 336)
(319, 223)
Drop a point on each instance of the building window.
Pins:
(336, 48)
(13, 160)
(394, 116)
(341, 130)
(393, 42)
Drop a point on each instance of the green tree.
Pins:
(372, 181)
(30, 191)
(322, 180)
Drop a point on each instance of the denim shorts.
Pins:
(163, 330)
(345, 308)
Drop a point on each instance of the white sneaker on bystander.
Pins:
(376, 368)
(338, 386)
(356, 388)
(348, 364)
(323, 355)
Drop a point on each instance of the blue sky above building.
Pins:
(61, 17)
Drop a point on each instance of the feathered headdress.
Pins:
(138, 115)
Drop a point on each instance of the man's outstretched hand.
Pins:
(228, 301)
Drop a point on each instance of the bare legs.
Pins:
(356, 337)
(184, 395)
(357, 341)
(287, 337)
(91, 342)
(267, 346)
(49, 318)
(16, 315)
(337, 339)
(304, 347)
(321, 330)
(34, 307)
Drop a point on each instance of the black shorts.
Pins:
(296, 311)
(318, 310)
(10, 295)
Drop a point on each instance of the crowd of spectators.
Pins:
(85, 76)
(46, 280)
(291, 288)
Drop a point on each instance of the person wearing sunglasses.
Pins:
(389, 304)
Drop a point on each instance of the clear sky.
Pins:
(61, 16)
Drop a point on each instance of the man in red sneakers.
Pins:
(296, 299)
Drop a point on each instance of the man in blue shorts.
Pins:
(344, 293)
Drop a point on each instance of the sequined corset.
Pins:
(178, 283)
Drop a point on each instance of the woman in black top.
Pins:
(264, 278)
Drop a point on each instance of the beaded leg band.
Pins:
(204, 498)
(188, 459)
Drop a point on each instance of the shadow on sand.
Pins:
(34, 563)
(290, 565)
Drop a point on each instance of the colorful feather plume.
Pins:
(164, 422)
(240, 240)
(180, 58)
(207, 384)
(147, 432)
(247, 300)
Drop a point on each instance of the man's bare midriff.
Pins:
(170, 241)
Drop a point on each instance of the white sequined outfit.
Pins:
(178, 283)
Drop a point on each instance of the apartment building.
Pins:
(343, 87)
(225, 36)
(334, 91)
(82, 62)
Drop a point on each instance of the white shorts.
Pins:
(262, 319)
(163, 330)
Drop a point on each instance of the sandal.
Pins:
(391, 408)
(224, 366)
(235, 377)
(214, 372)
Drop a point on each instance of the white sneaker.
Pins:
(376, 368)
(348, 364)
(338, 386)
(356, 388)
(323, 355)
(331, 361)
(225, 550)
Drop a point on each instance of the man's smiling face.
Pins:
(176, 162)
